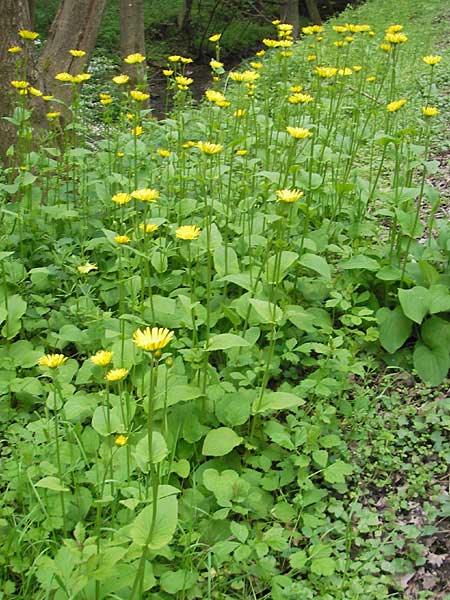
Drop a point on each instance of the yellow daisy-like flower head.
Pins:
(120, 79)
(116, 374)
(214, 96)
(152, 339)
(77, 53)
(386, 47)
(105, 99)
(87, 268)
(215, 38)
(184, 81)
(396, 38)
(345, 71)
(394, 28)
(148, 227)
(53, 115)
(25, 34)
(52, 361)
(121, 198)
(34, 91)
(167, 72)
(139, 96)
(134, 59)
(137, 130)
(430, 111)
(216, 65)
(288, 196)
(15, 50)
(396, 105)
(47, 98)
(241, 152)
(174, 58)
(187, 232)
(300, 98)
(19, 85)
(357, 68)
(122, 239)
(260, 53)
(326, 72)
(256, 65)
(163, 152)
(371, 78)
(81, 77)
(240, 112)
(299, 133)
(102, 358)
(209, 147)
(186, 60)
(121, 440)
(247, 76)
(432, 59)
(64, 77)
(311, 57)
(145, 195)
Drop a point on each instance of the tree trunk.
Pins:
(185, 14)
(14, 15)
(290, 14)
(313, 12)
(132, 37)
(75, 27)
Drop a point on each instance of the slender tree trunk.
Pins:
(290, 14)
(185, 14)
(14, 15)
(132, 37)
(313, 11)
(75, 27)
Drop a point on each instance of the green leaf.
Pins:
(415, 302)
(277, 401)
(278, 265)
(51, 483)
(158, 534)
(360, 262)
(178, 393)
(173, 582)
(337, 472)
(323, 566)
(435, 333)
(159, 451)
(395, 328)
(232, 264)
(16, 309)
(298, 559)
(221, 441)
(439, 299)
(266, 311)
(316, 263)
(432, 364)
(225, 341)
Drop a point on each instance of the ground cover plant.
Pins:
(226, 335)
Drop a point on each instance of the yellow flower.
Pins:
(64, 77)
(121, 440)
(189, 144)
(371, 33)
(371, 78)
(81, 77)
(120, 154)
(152, 339)
(311, 57)
(22, 92)
(215, 64)
(396, 38)
(214, 96)
(340, 43)
(77, 53)
(186, 60)
(116, 374)
(145, 195)
(34, 91)
(394, 29)
(122, 239)
(133, 59)
(15, 50)
(25, 34)
(87, 268)
(209, 147)
(183, 81)
(121, 198)
(295, 89)
(288, 196)
(299, 133)
(215, 38)
(53, 361)
(163, 152)
(256, 65)
(187, 232)
(105, 99)
(137, 130)
(349, 39)
(120, 79)
(148, 227)
(167, 72)
(53, 115)
(396, 105)
(345, 71)
(430, 111)
(241, 152)
(19, 85)
(284, 43)
(276, 22)
(300, 98)
(271, 43)
(326, 71)
(47, 98)
(246, 76)
(432, 60)
(357, 68)
(286, 54)
(139, 96)
(240, 112)
(386, 47)
(174, 58)
(340, 28)
(311, 29)
(260, 53)
(102, 358)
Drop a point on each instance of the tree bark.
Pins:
(290, 14)
(313, 11)
(185, 14)
(14, 15)
(132, 37)
(75, 27)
